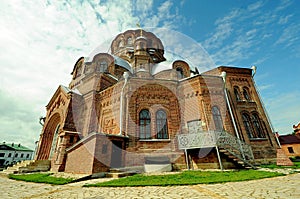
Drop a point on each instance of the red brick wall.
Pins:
(81, 158)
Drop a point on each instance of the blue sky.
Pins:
(41, 40)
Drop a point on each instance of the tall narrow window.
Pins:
(237, 93)
(257, 127)
(246, 94)
(87, 69)
(101, 67)
(78, 71)
(129, 40)
(217, 118)
(145, 126)
(179, 73)
(121, 44)
(247, 125)
(161, 125)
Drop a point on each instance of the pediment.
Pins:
(60, 97)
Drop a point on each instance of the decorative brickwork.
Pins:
(117, 111)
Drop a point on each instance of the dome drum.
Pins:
(133, 42)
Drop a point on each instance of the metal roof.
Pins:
(16, 147)
(121, 62)
(289, 139)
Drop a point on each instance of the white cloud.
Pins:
(237, 50)
(284, 19)
(289, 35)
(239, 34)
(223, 31)
(19, 120)
(255, 6)
(180, 46)
(283, 5)
(41, 41)
(283, 111)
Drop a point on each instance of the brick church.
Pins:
(125, 107)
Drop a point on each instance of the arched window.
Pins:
(101, 67)
(217, 118)
(257, 127)
(161, 125)
(87, 69)
(121, 44)
(129, 41)
(78, 71)
(247, 125)
(179, 72)
(237, 93)
(144, 123)
(246, 94)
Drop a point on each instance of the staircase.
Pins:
(232, 147)
(28, 166)
(235, 149)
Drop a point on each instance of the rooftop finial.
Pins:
(139, 26)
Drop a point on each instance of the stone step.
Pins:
(29, 166)
(116, 170)
(119, 175)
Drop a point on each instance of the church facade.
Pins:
(120, 109)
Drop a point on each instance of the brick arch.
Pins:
(155, 97)
(47, 136)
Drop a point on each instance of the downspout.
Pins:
(223, 75)
(263, 106)
(125, 75)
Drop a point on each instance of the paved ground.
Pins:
(279, 187)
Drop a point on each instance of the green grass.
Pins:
(41, 178)
(187, 178)
(274, 166)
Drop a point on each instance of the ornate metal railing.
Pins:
(202, 139)
(223, 140)
(235, 146)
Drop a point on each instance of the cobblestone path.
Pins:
(279, 187)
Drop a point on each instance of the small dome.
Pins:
(117, 60)
(131, 41)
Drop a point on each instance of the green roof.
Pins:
(17, 147)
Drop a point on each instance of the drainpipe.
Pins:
(125, 75)
(223, 75)
(263, 106)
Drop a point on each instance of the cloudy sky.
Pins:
(41, 40)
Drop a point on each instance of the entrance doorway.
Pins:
(116, 154)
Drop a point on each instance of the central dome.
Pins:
(126, 44)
